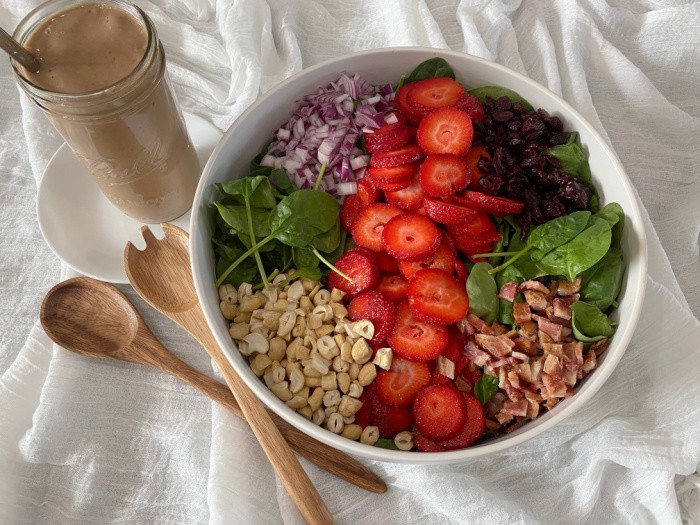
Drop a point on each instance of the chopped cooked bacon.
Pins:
(533, 409)
(497, 345)
(529, 330)
(521, 313)
(560, 309)
(504, 417)
(495, 404)
(552, 366)
(514, 380)
(481, 326)
(569, 288)
(499, 329)
(466, 328)
(553, 386)
(475, 354)
(445, 367)
(508, 291)
(533, 286)
(524, 370)
(569, 377)
(536, 300)
(570, 299)
(520, 356)
(502, 362)
(515, 408)
(525, 346)
(590, 362)
(600, 346)
(555, 349)
(553, 330)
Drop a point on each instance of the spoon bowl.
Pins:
(89, 317)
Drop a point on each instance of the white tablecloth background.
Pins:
(88, 441)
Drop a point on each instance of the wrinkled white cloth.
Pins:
(91, 441)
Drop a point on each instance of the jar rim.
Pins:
(39, 15)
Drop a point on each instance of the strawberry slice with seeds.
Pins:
(393, 175)
(367, 191)
(399, 385)
(398, 185)
(473, 156)
(393, 286)
(455, 349)
(390, 420)
(397, 157)
(443, 258)
(387, 264)
(361, 266)
(471, 106)
(368, 226)
(363, 416)
(352, 206)
(481, 243)
(461, 271)
(387, 137)
(414, 339)
(497, 206)
(443, 174)
(409, 198)
(437, 297)
(402, 104)
(445, 130)
(410, 236)
(473, 427)
(422, 443)
(447, 213)
(477, 224)
(372, 305)
(435, 92)
(439, 412)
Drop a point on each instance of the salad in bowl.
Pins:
(422, 262)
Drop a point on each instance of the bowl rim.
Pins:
(594, 381)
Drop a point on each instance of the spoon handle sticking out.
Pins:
(17, 52)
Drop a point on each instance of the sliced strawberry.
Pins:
(472, 157)
(473, 427)
(439, 412)
(414, 339)
(393, 175)
(497, 206)
(437, 297)
(447, 213)
(422, 443)
(475, 225)
(398, 185)
(443, 258)
(410, 237)
(372, 305)
(352, 206)
(363, 416)
(399, 386)
(387, 264)
(435, 92)
(409, 198)
(481, 243)
(461, 270)
(455, 349)
(390, 420)
(367, 191)
(443, 174)
(402, 104)
(471, 106)
(470, 374)
(445, 130)
(369, 224)
(439, 379)
(396, 157)
(358, 264)
(387, 137)
(393, 286)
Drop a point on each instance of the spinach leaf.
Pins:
(601, 284)
(496, 92)
(552, 234)
(615, 215)
(304, 258)
(303, 215)
(589, 323)
(310, 273)
(386, 443)
(246, 272)
(573, 159)
(256, 189)
(580, 253)
(482, 292)
(505, 308)
(328, 241)
(282, 182)
(431, 68)
(235, 216)
(485, 387)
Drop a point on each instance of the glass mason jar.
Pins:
(130, 135)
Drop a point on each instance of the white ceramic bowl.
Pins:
(255, 127)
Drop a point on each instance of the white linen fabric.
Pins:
(89, 441)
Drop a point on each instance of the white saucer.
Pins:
(83, 228)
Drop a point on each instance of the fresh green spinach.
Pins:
(601, 284)
(589, 324)
(485, 387)
(496, 92)
(573, 159)
(482, 292)
(431, 68)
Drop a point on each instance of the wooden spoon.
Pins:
(95, 319)
(18, 52)
(161, 275)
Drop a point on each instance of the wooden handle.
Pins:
(17, 52)
(295, 480)
(316, 452)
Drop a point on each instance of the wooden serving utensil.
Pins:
(95, 319)
(161, 275)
